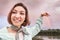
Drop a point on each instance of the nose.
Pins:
(18, 15)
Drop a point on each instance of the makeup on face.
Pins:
(18, 15)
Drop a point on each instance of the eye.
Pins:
(22, 13)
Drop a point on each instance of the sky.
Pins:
(35, 8)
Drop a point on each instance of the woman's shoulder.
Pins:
(3, 32)
(4, 35)
(4, 29)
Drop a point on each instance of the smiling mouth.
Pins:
(16, 20)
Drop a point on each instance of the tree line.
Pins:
(50, 32)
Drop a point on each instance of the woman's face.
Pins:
(18, 16)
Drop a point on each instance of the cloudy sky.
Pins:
(35, 8)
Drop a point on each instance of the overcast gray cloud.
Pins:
(35, 7)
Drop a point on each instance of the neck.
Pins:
(18, 26)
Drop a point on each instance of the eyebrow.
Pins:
(13, 10)
(16, 10)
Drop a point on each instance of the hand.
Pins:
(45, 14)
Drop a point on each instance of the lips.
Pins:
(16, 19)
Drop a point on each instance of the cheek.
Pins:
(23, 17)
(12, 16)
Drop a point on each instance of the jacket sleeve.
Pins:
(34, 30)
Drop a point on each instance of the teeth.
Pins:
(17, 20)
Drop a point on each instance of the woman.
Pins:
(19, 29)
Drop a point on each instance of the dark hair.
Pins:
(26, 22)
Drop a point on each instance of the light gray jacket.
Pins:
(29, 32)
